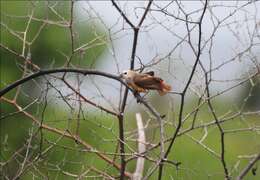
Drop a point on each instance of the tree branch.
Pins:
(248, 167)
(52, 71)
(137, 175)
(184, 92)
(132, 61)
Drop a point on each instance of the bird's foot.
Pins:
(136, 93)
(138, 96)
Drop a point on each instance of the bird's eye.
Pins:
(125, 73)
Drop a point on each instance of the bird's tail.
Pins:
(165, 88)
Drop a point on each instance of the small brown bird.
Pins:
(141, 82)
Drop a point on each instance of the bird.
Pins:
(142, 82)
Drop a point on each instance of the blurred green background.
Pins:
(98, 128)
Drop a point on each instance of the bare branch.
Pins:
(248, 167)
(138, 174)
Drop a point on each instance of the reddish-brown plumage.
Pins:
(141, 82)
(165, 88)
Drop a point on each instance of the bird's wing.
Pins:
(147, 82)
(151, 73)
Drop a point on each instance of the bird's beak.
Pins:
(121, 75)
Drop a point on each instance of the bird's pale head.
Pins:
(127, 74)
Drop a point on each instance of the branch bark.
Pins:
(184, 92)
(248, 167)
(52, 71)
(123, 105)
(138, 174)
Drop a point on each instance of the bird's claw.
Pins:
(137, 96)
(136, 93)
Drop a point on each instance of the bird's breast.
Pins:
(128, 80)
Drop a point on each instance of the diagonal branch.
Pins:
(184, 91)
(248, 167)
(123, 14)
